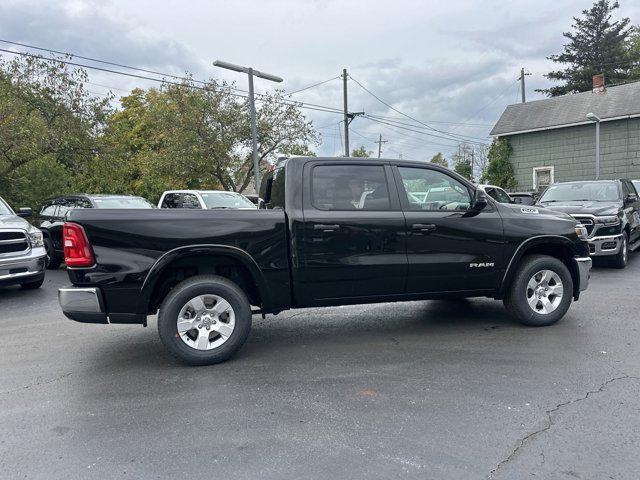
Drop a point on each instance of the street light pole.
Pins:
(595, 118)
(252, 110)
(254, 133)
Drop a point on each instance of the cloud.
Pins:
(454, 61)
(90, 28)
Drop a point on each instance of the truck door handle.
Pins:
(423, 227)
(326, 228)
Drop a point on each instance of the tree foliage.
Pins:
(50, 127)
(438, 159)
(462, 166)
(596, 45)
(499, 169)
(361, 152)
(56, 138)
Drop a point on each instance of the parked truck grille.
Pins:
(13, 242)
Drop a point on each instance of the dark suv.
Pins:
(54, 211)
(609, 209)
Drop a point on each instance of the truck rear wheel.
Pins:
(204, 320)
(541, 291)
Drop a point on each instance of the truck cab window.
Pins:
(350, 187)
(428, 189)
(189, 200)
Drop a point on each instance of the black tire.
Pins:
(183, 293)
(516, 299)
(621, 258)
(53, 261)
(33, 285)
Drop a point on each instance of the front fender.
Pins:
(193, 250)
(547, 241)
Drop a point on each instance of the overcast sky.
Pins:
(452, 64)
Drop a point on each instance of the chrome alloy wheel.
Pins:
(544, 292)
(205, 322)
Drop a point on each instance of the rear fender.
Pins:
(168, 258)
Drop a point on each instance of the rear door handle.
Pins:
(326, 228)
(423, 227)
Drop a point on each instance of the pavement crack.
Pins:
(37, 384)
(550, 421)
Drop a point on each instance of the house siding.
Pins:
(571, 151)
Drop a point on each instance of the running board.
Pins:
(634, 246)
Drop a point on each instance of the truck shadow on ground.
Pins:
(363, 327)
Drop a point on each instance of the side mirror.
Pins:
(24, 212)
(630, 199)
(480, 200)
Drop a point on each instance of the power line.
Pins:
(422, 132)
(305, 105)
(434, 121)
(491, 102)
(394, 121)
(460, 137)
(314, 85)
(113, 64)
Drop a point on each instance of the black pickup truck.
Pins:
(335, 232)
(608, 209)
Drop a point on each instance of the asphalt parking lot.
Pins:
(429, 390)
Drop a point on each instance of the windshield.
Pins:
(226, 200)
(4, 208)
(583, 191)
(121, 202)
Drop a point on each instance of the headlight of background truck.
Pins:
(36, 239)
(608, 221)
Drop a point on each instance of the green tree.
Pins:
(596, 45)
(462, 167)
(361, 152)
(633, 46)
(499, 169)
(49, 128)
(179, 136)
(438, 159)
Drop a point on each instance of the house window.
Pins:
(542, 177)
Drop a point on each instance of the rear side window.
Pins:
(180, 200)
(189, 200)
(48, 211)
(349, 187)
(170, 200)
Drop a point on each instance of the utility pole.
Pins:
(522, 90)
(380, 142)
(346, 113)
(472, 161)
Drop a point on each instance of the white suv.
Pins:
(205, 199)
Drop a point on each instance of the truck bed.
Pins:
(129, 245)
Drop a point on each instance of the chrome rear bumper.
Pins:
(82, 304)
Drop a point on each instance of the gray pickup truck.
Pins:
(22, 253)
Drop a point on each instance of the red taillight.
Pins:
(77, 251)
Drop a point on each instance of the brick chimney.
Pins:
(598, 83)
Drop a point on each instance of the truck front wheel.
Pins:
(541, 291)
(204, 320)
